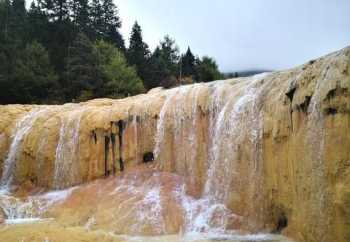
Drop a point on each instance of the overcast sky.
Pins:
(244, 34)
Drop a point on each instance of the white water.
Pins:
(32, 208)
(23, 127)
(207, 216)
(229, 117)
(67, 151)
(162, 122)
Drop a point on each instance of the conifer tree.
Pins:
(138, 53)
(33, 75)
(38, 25)
(188, 63)
(80, 67)
(207, 70)
(106, 22)
(80, 15)
(56, 10)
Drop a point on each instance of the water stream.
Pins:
(231, 111)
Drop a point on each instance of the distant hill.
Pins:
(244, 73)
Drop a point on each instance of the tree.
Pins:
(81, 67)
(138, 53)
(56, 10)
(188, 63)
(119, 79)
(106, 22)
(33, 75)
(169, 52)
(207, 70)
(163, 65)
(12, 39)
(38, 25)
(96, 18)
(80, 15)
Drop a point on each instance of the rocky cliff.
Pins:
(265, 153)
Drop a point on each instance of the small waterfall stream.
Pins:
(67, 158)
(23, 127)
(231, 120)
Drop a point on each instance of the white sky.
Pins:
(244, 34)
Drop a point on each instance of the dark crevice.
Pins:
(336, 91)
(113, 152)
(148, 157)
(290, 94)
(106, 155)
(138, 119)
(331, 94)
(94, 136)
(311, 62)
(305, 105)
(331, 111)
(282, 223)
(120, 124)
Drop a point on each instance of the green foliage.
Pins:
(119, 79)
(138, 54)
(34, 74)
(188, 63)
(207, 70)
(81, 66)
(80, 15)
(163, 64)
(64, 50)
(106, 22)
(33, 79)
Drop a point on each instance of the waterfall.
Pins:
(23, 127)
(181, 107)
(67, 152)
(228, 131)
(162, 122)
(234, 119)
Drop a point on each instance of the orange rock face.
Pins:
(265, 153)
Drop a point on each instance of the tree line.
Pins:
(72, 50)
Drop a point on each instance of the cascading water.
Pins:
(23, 127)
(233, 117)
(229, 120)
(67, 158)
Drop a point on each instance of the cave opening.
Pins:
(148, 157)
(282, 223)
(331, 111)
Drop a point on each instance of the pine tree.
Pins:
(163, 65)
(106, 22)
(169, 52)
(33, 75)
(81, 67)
(119, 79)
(207, 70)
(56, 10)
(188, 63)
(38, 24)
(17, 23)
(138, 53)
(80, 15)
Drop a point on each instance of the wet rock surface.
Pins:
(265, 153)
(2, 216)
